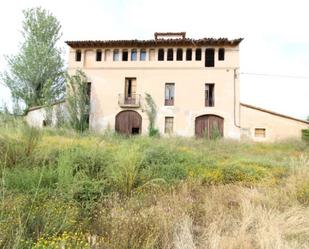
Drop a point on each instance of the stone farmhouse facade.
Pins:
(194, 83)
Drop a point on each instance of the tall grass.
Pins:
(61, 189)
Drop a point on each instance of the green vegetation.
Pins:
(151, 111)
(61, 189)
(77, 101)
(305, 135)
(35, 75)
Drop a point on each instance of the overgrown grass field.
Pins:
(60, 189)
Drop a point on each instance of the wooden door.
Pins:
(209, 126)
(128, 123)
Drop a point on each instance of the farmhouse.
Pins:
(194, 83)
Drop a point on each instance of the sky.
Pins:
(274, 55)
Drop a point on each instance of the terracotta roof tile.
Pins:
(155, 42)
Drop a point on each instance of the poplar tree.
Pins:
(35, 75)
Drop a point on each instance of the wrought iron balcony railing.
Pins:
(133, 100)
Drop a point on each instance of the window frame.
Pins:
(179, 54)
(209, 94)
(125, 55)
(170, 100)
(161, 54)
(133, 51)
(169, 120)
(257, 133)
(116, 55)
(143, 51)
(170, 54)
(189, 54)
(200, 54)
(221, 54)
(78, 55)
(99, 54)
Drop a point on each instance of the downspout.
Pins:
(237, 125)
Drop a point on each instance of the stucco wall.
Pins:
(36, 116)
(108, 81)
(277, 127)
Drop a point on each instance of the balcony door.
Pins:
(130, 90)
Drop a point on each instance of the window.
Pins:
(210, 57)
(221, 54)
(78, 55)
(108, 55)
(179, 54)
(99, 55)
(209, 94)
(161, 54)
(133, 55)
(143, 55)
(170, 54)
(198, 54)
(189, 54)
(125, 54)
(169, 123)
(130, 90)
(260, 132)
(169, 94)
(152, 54)
(116, 56)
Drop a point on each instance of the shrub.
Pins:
(237, 173)
(305, 135)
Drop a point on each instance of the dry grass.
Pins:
(191, 216)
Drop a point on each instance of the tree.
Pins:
(35, 75)
(307, 118)
(77, 100)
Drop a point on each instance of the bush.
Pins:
(28, 218)
(305, 135)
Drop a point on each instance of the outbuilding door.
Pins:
(209, 126)
(128, 123)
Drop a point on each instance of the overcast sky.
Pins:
(276, 37)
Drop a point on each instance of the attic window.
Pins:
(198, 54)
(78, 55)
(260, 132)
(189, 54)
(98, 55)
(116, 56)
(143, 55)
(133, 55)
(221, 54)
(161, 54)
(125, 55)
(210, 57)
(179, 54)
(170, 54)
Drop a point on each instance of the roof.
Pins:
(274, 113)
(155, 42)
(43, 106)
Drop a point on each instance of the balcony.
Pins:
(133, 100)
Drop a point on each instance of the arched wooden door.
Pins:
(209, 126)
(128, 122)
